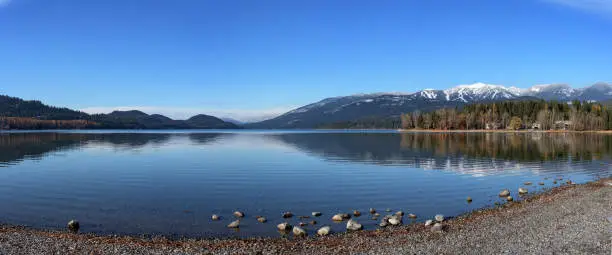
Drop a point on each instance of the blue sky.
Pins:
(247, 58)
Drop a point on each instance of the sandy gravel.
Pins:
(567, 220)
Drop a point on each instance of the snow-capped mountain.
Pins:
(381, 105)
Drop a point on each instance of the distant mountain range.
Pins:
(391, 105)
(16, 107)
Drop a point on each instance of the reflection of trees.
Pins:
(204, 138)
(416, 148)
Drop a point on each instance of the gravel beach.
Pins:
(572, 219)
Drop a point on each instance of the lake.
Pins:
(171, 182)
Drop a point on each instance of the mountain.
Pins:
(16, 113)
(231, 120)
(207, 121)
(391, 105)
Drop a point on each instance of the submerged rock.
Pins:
(437, 227)
(504, 193)
(388, 210)
(262, 219)
(239, 214)
(283, 226)
(527, 183)
(439, 218)
(215, 217)
(74, 226)
(372, 211)
(287, 215)
(234, 224)
(324, 231)
(428, 222)
(356, 213)
(541, 183)
(353, 225)
(412, 216)
(297, 231)
(316, 214)
(313, 222)
(376, 214)
(468, 199)
(302, 224)
(523, 191)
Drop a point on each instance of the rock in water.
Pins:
(313, 222)
(324, 231)
(428, 222)
(412, 216)
(372, 211)
(239, 214)
(523, 191)
(262, 219)
(437, 227)
(316, 214)
(356, 213)
(353, 225)
(468, 199)
(302, 224)
(541, 183)
(283, 226)
(234, 224)
(504, 193)
(509, 198)
(399, 213)
(297, 231)
(74, 226)
(215, 217)
(341, 217)
(395, 221)
(383, 224)
(439, 218)
(527, 183)
(287, 215)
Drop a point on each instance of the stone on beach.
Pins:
(283, 226)
(239, 214)
(297, 231)
(428, 222)
(234, 224)
(316, 214)
(523, 191)
(353, 225)
(395, 221)
(437, 227)
(324, 231)
(74, 226)
(287, 215)
(215, 217)
(504, 193)
(439, 218)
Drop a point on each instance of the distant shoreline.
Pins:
(574, 208)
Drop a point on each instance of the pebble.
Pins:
(239, 214)
(215, 217)
(283, 226)
(316, 214)
(428, 222)
(234, 224)
(324, 231)
(297, 231)
(353, 225)
(439, 218)
(287, 215)
(504, 193)
(74, 226)
(437, 227)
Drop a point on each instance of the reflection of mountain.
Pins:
(471, 152)
(15, 147)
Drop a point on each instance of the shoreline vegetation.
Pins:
(565, 219)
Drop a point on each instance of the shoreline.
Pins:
(407, 238)
(500, 131)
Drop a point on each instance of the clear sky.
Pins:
(247, 58)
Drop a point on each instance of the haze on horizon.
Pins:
(254, 60)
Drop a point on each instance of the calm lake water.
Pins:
(170, 183)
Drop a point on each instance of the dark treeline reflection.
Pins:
(15, 147)
(412, 148)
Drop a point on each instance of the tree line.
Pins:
(540, 114)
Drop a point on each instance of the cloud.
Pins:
(602, 6)
(4, 2)
(181, 113)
